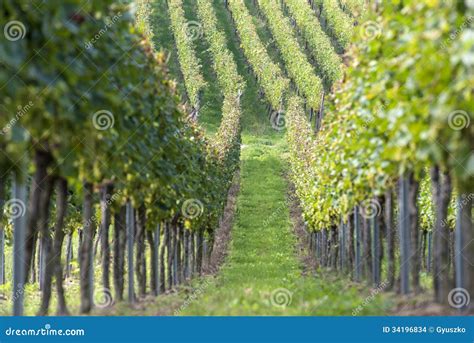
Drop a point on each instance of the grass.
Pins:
(262, 269)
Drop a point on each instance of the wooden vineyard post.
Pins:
(358, 269)
(204, 251)
(324, 257)
(459, 243)
(428, 256)
(375, 251)
(2, 251)
(367, 257)
(186, 253)
(404, 237)
(87, 249)
(19, 234)
(193, 254)
(105, 195)
(463, 248)
(156, 255)
(130, 240)
(175, 255)
(318, 247)
(342, 244)
(41, 261)
(390, 234)
(315, 244)
(69, 256)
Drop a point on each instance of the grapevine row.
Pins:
(108, 140)
(226, 69)
(327, 60)
(227, 140)
(270, 77)
(355, 8)
(387, 147)
(183, 35)
(296, 62)
(301, 151)
(336, 21)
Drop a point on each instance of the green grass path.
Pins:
(262, 274)
(262, 257)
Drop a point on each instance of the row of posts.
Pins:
(319, 240)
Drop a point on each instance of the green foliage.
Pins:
(183, 35)
(99, 62)
(270, 77)
(143, 14)
(229, 79)
(327, 60)
(296, 62)
(338, 22)
(355, 8)
(393, 114)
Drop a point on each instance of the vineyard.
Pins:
(236, 157)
